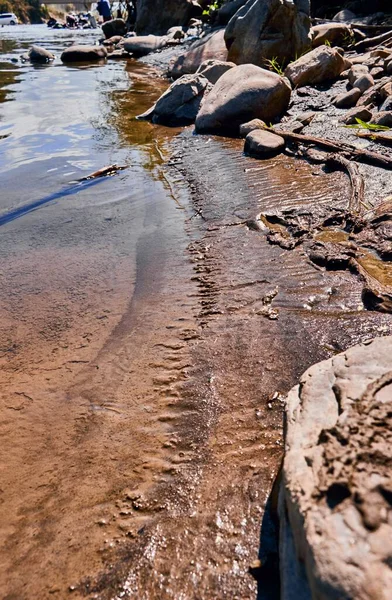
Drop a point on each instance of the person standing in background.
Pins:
(103, 7)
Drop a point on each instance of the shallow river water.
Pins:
(148, 334)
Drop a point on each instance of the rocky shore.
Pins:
(292, 95)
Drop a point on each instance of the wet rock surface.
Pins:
(79, 53)
(336, 479)
(210, 47)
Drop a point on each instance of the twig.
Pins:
(105, 171)
(343, 149)
(376, 137)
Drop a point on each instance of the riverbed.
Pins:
(148, 335)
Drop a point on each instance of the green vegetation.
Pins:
(274, 65)
(369, 126)
(27, 11)
(212, 8)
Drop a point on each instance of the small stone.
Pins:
(250, 126)
(360, 112)
(364, 82)
(264, 143)
(348, 99)
(382, 118)
(357, 71)
(377, 72)
(386, 106)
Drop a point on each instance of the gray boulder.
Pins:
(382, 118)
(214, 69)
(263, 144)
(364, 82)
(278, 29)
(244, 93)
(180, 104)
(319, 65)
(37, 54)
(141, 45)
(212, 46)
(335, 501)
(114, 27)
(357, 71)
(83, 54)
(344, 16)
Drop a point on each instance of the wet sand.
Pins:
(148, 331)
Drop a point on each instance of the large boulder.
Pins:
(157, 16)
(212, 46)
(335, 501)
(319, 65)
(180, 104)
(83, 54)
(269, 29)
(244, 93)
(114, 27)
(141, 45)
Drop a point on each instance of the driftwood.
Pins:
(344, 149)
(374, 41)
(376, 137)
(356, 202)
(104, 172)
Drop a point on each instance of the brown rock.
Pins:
(319, 65)
(210, 47)
(357, 71)
(83, 54)
(359, 112)
(214, 69)
(348, 99)
(244, 93)
(383, 118)
(268, 29)
(334, 33)
(263, 143)
(246, 128)
(364, 83)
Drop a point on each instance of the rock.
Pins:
(180, 104)
(319, 65)
(37, 54)
(344, 16)
(83, 54)
(360, 112)
(386, 90)
(263, 144)
(113, 41)
(386, 106)
(244, 93)
(157, 16)
(306, 118)
(364, 83)
(268, 29)
(357, 71)
(388, 68)
(228, 10)
(246, 128)
(382, 118)
(334, 33)
(214, 69)
(141, 45)
(348, 99)
(176, 33)
(114, 27)
(377, 72)
(336, 488)
(212, 46)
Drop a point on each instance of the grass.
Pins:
(369, 126)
